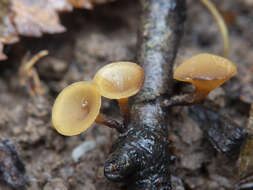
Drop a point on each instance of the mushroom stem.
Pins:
(104, 120)
(199, 94)
(124, 110)
(221, 23)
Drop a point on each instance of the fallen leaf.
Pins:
(8, 33)
(7, 30)
(33, 18)
(81, 4)
(60, 5)
(87, 4)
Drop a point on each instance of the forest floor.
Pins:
(107, 34)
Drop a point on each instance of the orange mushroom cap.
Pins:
(76, 108)
(119, 80)
(205, 71)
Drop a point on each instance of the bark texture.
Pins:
(141, 155)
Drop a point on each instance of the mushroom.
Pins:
(76, 108)
(120, 80)
(206, 72)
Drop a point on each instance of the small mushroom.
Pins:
(77, 107)
(206, 72)
(120, 80)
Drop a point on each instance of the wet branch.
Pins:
(141, 156)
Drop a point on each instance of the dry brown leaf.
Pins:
(8, 33)
(60, 5)
(87, 4)
(81, 4)
(34, 17)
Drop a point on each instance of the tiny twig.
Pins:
(180, 100)
(28, 65)
(28, 75)
(221, 23)
(104, 120)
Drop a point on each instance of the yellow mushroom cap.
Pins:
(119, 80)
(76, 108)
(205, 71)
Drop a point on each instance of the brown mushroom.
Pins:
(120, 80)
(76, 108)
(206, 72)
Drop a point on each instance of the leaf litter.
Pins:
(34, 18)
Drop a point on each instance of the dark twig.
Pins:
(109, 122)
(180, 100)
(142, 155)
(225, 135)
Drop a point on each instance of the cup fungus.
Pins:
(120, 80)
(76, 108)
(206, 72)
